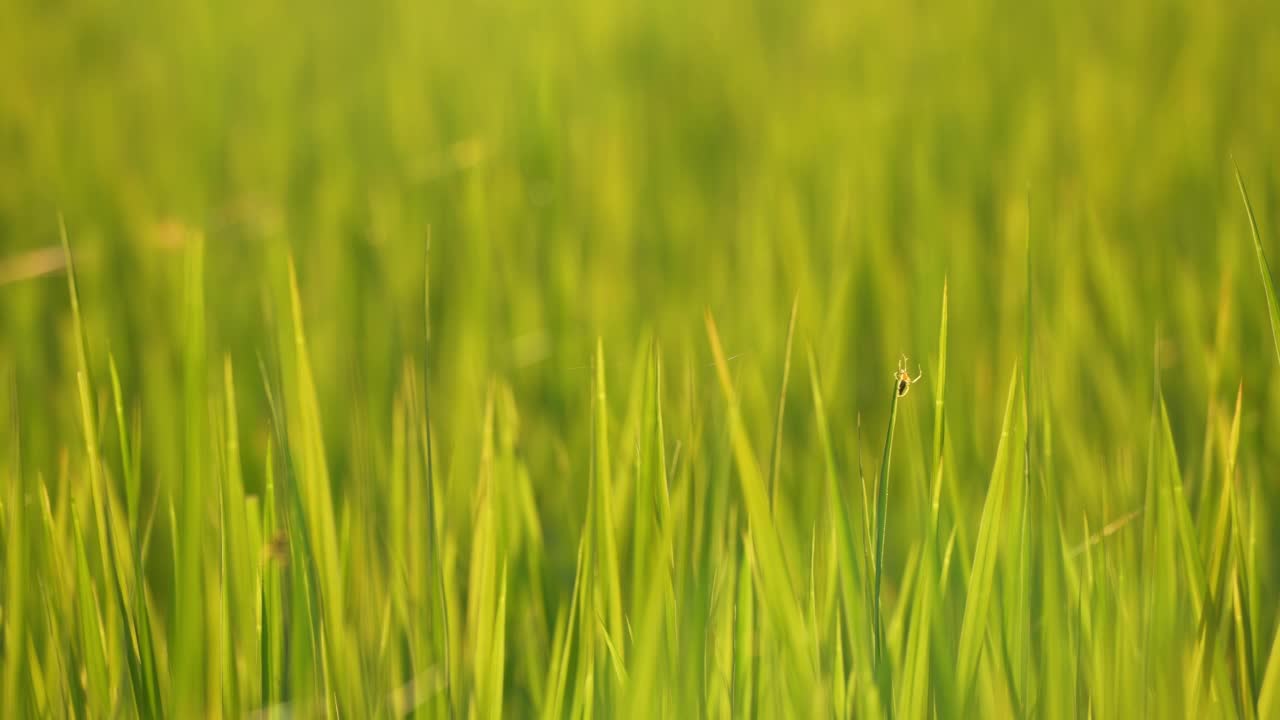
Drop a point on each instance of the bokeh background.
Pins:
(610, 171)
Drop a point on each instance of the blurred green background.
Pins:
(602, 168)
(610, 170)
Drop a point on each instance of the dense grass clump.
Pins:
(538, 360)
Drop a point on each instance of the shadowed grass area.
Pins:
(514, 359)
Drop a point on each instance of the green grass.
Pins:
(531, 360)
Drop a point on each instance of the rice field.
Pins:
(655, 360)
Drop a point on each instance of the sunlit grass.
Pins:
(534, 361)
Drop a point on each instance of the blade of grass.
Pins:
(139, 657)
(15, 594)
(138, 616)
(297, 551)
(775, 454)
(882, 666)
(1273, 307)
(847, 555)
(1192, 560)
(1269, 691)
(1023, 620)
(131, 480)
(914, 689)
(236, 558)
(558, 677)
(981, 585)
(481, 598)
(937, 558)
(188, 648)
(271, 613)
(742, 692)
(93, 641)
(433, 533)
(939, 424)
(498, 652)
(606, 536)
(766, 542)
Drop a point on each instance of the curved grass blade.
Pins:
(1273, 307)
(973, 628)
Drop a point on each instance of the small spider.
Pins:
(904, 379)
(277, 548)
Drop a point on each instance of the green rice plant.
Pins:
(527, 290)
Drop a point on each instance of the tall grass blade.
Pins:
(777, 587)
(602, 511)
(189, 637)
(434, 556)
(982, 582)
(1264, 269)
(848, 557)
(13, 514)
(775, 454)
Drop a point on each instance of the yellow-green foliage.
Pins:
(534, 359)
